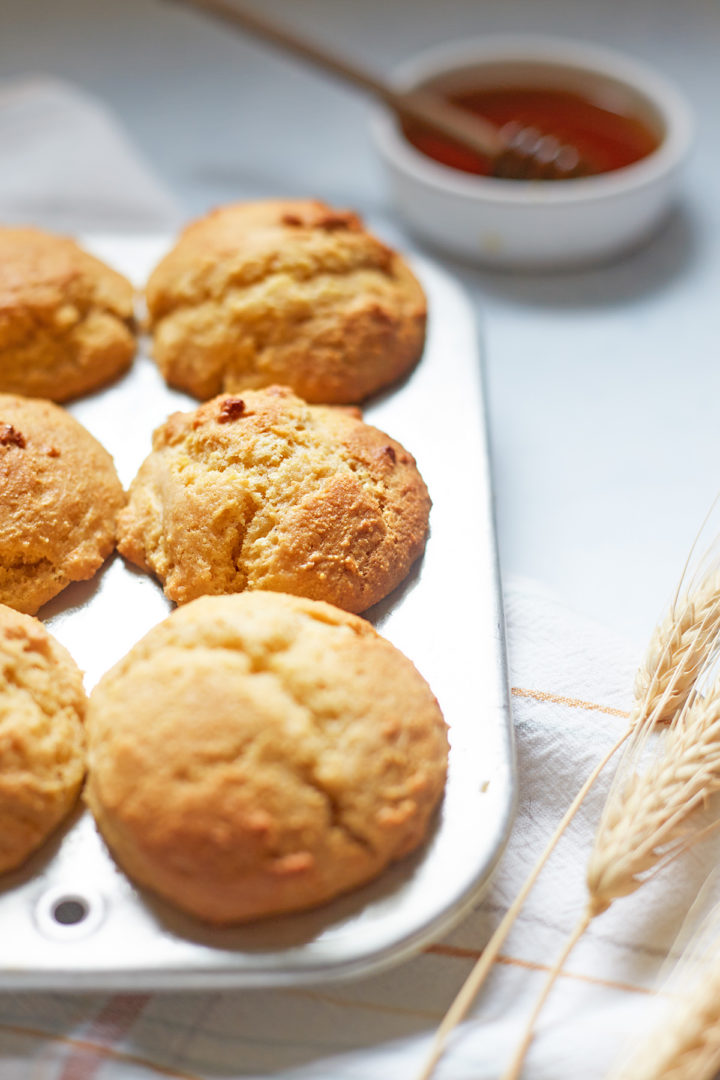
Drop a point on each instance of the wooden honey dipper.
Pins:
(516, 151)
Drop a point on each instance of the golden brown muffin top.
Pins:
(284, 291)
(264, 491)
(42, 273)
(59, 498)
(244, 243)
(261, 753)
(65, 317)
(42, 707)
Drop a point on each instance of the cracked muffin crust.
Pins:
(42, 759)
(59, 499)
(260, 754)
(266, 492)
(65, 317)
(284, 291)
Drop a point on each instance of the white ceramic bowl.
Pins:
(538, 223)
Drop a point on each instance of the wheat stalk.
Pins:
(475, 980)
(645, 825)
(679, 648)
(648, 818)
(686, 640)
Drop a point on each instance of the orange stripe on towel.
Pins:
(100, 1053)
(575, 703)
(113, 1021)
(513, 961)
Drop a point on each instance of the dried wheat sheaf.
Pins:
(650, 816)
(684, 643)
(641, 828)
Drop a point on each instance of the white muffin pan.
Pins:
(71, 920)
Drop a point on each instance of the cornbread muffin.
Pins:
(65, 317)
(42, 760)
(59, 498)
(286, 291)
(260, 754)
(266, 492)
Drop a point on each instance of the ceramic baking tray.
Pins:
(71, 920)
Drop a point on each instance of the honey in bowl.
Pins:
(605, 140)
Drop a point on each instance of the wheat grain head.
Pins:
(681, 644)
(647, 819)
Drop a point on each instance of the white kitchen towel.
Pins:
(68, 165)
(571, 688)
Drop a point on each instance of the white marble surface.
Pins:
(604, 385)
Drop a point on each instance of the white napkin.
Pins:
(68, 166)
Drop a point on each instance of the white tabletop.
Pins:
(604, 385)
